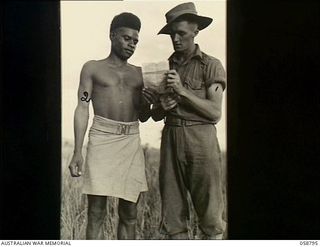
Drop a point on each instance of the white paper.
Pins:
(154, 75)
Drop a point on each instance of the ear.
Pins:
(196, 32)
(112, 35)
(194, 29)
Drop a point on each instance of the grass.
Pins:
(74, 204)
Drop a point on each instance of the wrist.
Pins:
(183, 92)
(77, 152)
(156, 108)
(145, 104)
(147, 107)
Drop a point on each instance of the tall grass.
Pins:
(74, 204)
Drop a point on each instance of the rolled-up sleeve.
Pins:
(215, 73)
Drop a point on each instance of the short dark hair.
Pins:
(125, 19)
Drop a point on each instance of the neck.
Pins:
(116, 60)
(184, 55)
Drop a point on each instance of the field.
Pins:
(74, 205)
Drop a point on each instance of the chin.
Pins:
(124, 57)
(179, 49)
(127, 56)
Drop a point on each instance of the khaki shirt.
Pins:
(197, 73)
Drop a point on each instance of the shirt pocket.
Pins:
(197, 87)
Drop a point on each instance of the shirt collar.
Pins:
(196, 54)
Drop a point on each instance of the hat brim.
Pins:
(202, 22)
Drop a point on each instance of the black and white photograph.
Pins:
(159, 120)
(143, 120)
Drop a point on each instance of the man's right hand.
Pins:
(169, 101)
(75, 166)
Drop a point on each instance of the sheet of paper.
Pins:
(154, 75)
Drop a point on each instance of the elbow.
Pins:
(82, 111)
(143, 119)
(215, 116)
(157, 118)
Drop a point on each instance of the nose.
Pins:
(175, 38)
(132, 44)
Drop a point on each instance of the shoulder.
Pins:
(135, 69)
(211, 60)
(214, 73)
(91, 63)
(135, 73)
(89, 66)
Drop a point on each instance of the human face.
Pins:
(182, 35)
(124, 41)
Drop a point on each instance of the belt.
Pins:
(182, 122)
(115, 127)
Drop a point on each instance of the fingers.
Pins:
(171, 83)
(149, 90)
(175, 97)
(73, 170)
(168, 90)
(173, 80)
(147, 97)
(80, 167)
(169, 105)
(76, 169)
(170, 96)
(175, 85)
(150, 95)
(171, 76)
(172, 72)
(168, 101)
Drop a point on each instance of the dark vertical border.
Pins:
(31, 122)
(273, 121)
(1, 106)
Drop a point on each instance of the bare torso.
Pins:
(116, 91)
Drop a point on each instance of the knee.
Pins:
(128, 216)
(96, 213)
(214, 228)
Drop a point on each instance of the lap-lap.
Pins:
(115, 163)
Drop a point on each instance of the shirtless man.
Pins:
(114, 163)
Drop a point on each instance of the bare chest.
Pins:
(117, 78)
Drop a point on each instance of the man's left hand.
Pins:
(150, 96)
(174, 81)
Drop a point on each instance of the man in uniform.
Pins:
(114, 163)
(190, 153)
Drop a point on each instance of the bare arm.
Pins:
(209, 108)
(81, 117)
(156, 111)
(145, 112)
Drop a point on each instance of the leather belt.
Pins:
(182, 122)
